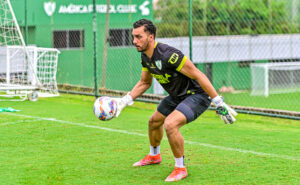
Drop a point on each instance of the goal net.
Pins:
(23, 69)
(275, 78)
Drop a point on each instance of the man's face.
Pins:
(141, 38)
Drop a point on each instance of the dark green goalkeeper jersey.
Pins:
(165, 64)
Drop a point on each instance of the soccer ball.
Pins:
(105, 108)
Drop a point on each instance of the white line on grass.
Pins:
(20, 121)
(286, 157)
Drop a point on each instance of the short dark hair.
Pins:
(149, 26)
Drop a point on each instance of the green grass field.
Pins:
(59, 141)
(284, 101)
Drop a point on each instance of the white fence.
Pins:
(238, 48)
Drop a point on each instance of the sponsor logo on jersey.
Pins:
(158, 64)
(152, 66)
(161, 78)
(173, 59)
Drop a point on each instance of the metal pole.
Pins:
(294, 11)
(270, 16)
(105, 44)
(26, 26)
(95, 48)
(190, 30)
(205, 30)
(270, 25)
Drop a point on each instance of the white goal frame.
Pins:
(42, 62)
(23, 68)
(260, 76)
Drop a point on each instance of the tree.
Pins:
(224, 17)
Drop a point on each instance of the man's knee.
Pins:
(155, 123)
(151, 122)
(173, 122)
(169, 126)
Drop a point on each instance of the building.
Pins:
(68, 26)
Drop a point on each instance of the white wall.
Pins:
(238, 48)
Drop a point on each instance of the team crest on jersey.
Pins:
(158, 64)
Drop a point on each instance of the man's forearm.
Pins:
(139, 89)
(206, 85)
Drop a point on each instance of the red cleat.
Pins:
(177, 174)
(148, 159)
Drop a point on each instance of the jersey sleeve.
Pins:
(144, 68)
(175, 59)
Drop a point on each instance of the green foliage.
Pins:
(225, 17)
(172, 30)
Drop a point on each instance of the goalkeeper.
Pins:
(190, 94)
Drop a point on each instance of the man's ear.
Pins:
(152, 36)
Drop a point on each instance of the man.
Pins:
(190, 94)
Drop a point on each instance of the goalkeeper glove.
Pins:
(122, 103)
(226, 113)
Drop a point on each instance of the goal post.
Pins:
(275, 78)
(23, 69)
(10, 31)
(36, 73)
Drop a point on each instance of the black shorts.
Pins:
(192, 106)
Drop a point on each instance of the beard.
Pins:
(143, 48)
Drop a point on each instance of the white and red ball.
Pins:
(105, 108)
